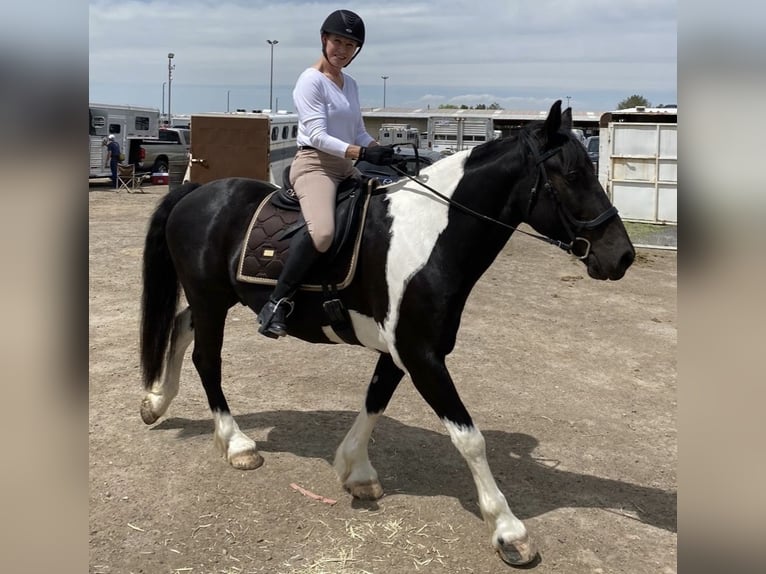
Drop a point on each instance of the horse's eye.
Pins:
(571, 176)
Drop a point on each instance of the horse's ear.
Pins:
(553, 121)
(566, 119)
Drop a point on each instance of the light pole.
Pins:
(384, 90)
(272, 43)
(171, 67)
(228, 93)
(568, 98)
(163, 99)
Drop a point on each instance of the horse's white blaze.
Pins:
(228, 437)
(352, 461)
(418, 218)
(494, 507)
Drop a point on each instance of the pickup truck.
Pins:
(170, 148)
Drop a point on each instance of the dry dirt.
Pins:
(572, 381)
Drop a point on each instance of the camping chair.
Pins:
(128, 180)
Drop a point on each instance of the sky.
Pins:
(520, 54)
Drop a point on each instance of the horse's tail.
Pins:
(161, 289)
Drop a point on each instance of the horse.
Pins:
(424, 247)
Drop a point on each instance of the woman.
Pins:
(331, 135)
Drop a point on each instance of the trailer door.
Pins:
(638, 164)
(229, 146)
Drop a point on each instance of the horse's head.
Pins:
(567, 203)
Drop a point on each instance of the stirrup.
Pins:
(272, 317)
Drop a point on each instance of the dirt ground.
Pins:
(572, 381)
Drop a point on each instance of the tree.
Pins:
(633, 101)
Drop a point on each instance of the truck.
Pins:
(170, 147)
(130, 125)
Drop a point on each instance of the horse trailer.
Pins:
(451, 134)
(128, 124)
(638, 163)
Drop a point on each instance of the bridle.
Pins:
(571, 224)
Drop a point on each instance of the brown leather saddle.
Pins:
(278, 217)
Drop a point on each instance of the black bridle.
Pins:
(571, 224)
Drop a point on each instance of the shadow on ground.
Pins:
(416, 461)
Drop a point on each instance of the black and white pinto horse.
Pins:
(421, 254)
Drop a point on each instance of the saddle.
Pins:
(278, 218)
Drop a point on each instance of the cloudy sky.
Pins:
(521, 54)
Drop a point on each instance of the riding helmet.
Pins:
(347, 24)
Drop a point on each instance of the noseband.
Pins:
(569, 221)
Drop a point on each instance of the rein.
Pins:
(566, 217)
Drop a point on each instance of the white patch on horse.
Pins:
(418, 217)
(228, 438)
(369, 333)
(494, 508)
(164, 390)
(352, 461)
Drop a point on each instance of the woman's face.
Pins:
(339, 50)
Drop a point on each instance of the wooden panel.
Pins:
(229, 146)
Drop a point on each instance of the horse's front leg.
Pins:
(352, 461)
(508, 534)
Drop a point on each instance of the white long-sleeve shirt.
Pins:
(329, 118)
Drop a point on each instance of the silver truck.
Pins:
(170, 148)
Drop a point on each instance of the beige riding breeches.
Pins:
(315, 176)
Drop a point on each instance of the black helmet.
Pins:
(347, 24)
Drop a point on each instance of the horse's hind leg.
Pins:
(163, 391)
(508, 534)
(352, 461)
(236, 447)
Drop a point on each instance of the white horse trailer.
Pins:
(128, 124)
(453, 133)
(638, 163)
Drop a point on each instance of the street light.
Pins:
(568, 98)
(163, 98)
(171, 67)
(272, 43)
(384, 90)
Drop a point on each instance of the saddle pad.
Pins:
(263, 254)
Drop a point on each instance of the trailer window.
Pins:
(142, 123)
(274, 133)
(285, 132)
(115, 128)
(295, 131)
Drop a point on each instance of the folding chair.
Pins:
(128, 180)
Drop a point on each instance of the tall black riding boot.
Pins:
(300, 259)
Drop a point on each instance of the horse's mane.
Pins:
(494, 150)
